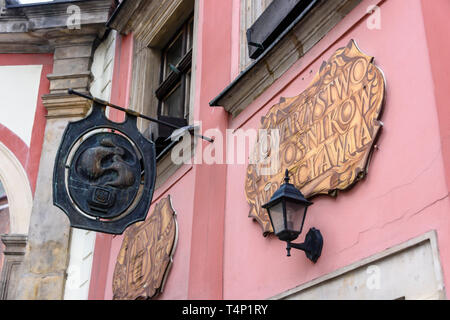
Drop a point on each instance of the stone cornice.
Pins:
(14, 243)
(56, 15)
(65, 106)
(38, 28)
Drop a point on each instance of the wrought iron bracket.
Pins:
(312, 246)
(134, 113)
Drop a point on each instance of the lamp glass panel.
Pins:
(294, 216)
(276, 213)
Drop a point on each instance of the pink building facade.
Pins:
(222, 253)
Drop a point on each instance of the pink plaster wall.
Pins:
(437, 24)
(213, 65)
(176, 286)
(405, 192)
(221, 252)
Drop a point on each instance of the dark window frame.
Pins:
(179, 75)
(169, 81)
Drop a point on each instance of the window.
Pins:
(250, 11)
(173, 93)
(164, 37)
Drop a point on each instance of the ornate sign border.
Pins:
(75, 133)
(146, 255)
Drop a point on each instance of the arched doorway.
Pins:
(17, 189)
(16, 202)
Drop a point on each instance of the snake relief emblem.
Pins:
(106, 160)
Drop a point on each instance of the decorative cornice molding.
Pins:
(15, 248)
(56, 15)
(44, 28)
(14, 243)
(65, 106)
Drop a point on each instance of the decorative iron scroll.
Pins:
(146, 255)
(326, 133)
(104, 173)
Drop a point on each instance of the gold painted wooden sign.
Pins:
(326, 134)
(146, 255)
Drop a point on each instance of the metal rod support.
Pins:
(312, 246)
(133, 113)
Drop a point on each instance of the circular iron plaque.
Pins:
(105, 175)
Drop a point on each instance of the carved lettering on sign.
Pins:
(326, 133)
(146, 255)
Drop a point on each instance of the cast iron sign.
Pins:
(326, 134)
(104, 173)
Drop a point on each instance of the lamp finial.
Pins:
(286, 177)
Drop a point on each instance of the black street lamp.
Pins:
(287, 211)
